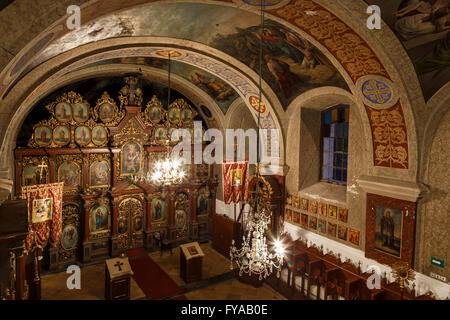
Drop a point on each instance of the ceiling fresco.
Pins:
(423, 27)
(291, 65)
(216, 88)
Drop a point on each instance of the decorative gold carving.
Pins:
(182, 207)
(131, 93)
(73, 181)
(154, 112)
(100, 111)
(131, 221)
(129, 159)
(130, 130)
(182, 109)
(402, 273)
(71, 221)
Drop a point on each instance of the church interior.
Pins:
(224, 150)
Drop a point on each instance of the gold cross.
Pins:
(42, 166)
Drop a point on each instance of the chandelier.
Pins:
(166, 171)
(256, 256)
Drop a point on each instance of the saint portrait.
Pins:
(98, 218)
(331, 229)
(155, 114)
(160, 134)
(192, 250)
(99, 174)
(296, 217)
(61, 135)
(343, 214)
(82, 135)
(80, 112)
(158, 208)
(69, 237)
(63, 112)
(332, 212)
(33, 175)
(323, 209)
(342, 232)
(137, 223)
(180, 219)
(202, 205)
(312, 222)
(353, 237)
(236, 177)
(131, 158)
(174, 114)
(322, 225)
(304, 220)
(186, 115)
(388, 230)
(288, 215)
(304, 204)
(42, 136)
(106, 113)
(42, 210)
(69, 173)
(99, 136)
(313, 206)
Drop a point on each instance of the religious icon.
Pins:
(160, 134)
(297, 201)
(98, 218)
(331, 229)
(304, 204)
(82, 135)
(236, 177)
(63, 112)
(158, 209)
(41, 210)
(312, 222)
(323, 209)
(99, 136)
(80, 112)
(342, 232)
(288, 215)
(155, 114)
(33, 175)
(289, 200)
(313, 206)
(332, 211)
(131, 158)
(180, 219)
(322, 225)
(296, 217)
(69, 173)
(192, 250)
(304, 220)
(343, 214)
(42, 136)
(122, 227)
(354, 237)
(106, 113)
(186, 115)
(61, 135)
(388, 230)
(69, 237)
(99, 174)
(138, 223)
(177, 134)
(174, 114)
(202, 205)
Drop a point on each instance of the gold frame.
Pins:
(106, 136)
(33, 161)
(74, 219)
(51, 135)
(153, 103)
(71, 112)
(99, 202)
(94, 158)
(84, 103)
(141, 160)
(83, 144)
(76, 160)
(68, 140)
(118, 114)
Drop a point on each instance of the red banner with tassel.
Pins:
(235, 181)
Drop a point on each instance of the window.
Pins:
(334, 149)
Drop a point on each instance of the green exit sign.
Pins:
(437, 262)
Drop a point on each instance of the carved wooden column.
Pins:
(193, 192)
(171, 219)
(115, 166)
(148, 240)
(53, 175)
(87, 245)
(85, 171)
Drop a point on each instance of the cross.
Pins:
(378, 91)
(119, 265)
(42, 166)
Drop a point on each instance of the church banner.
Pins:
(44, 213)
(235, 176)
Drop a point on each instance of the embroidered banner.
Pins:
(44, 213)
(235, 181)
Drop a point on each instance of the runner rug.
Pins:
(153, 281)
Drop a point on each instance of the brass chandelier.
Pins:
(167, 171)
(256, 256)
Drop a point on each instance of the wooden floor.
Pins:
(217, 283)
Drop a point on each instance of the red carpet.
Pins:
(135, 252)
(155, 283)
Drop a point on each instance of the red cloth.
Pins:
(41, 232)
(235, 176)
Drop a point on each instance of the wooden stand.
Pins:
(117, 279)
(191, 258)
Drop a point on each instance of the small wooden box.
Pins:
(191, 258)
(117, 279)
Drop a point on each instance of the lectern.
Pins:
(117, 279)
(191, 257)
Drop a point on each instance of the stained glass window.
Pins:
(335, 123)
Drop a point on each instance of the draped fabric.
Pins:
(235, 176)
(44, 214)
